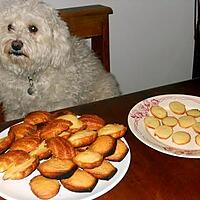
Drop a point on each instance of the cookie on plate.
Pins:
(82, 138)
(197, 140)
(170, 121)
(21, 170)
(158, 112)
(88, 159)
(44, 188)
(163, 131)
(104, 144)
(105, 171)
(186, 121)
(196, 127)
(151, 122)
(181, 137)
(57, 168)
(120, 152)
(193, 112)
(115, 130)
(177, 107)
(80, 181)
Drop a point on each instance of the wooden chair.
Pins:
(196, 58)
(89, 22)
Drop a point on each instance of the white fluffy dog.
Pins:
(42, 67)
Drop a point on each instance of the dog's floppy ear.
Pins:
(61, 40)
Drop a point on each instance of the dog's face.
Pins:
(32, 37)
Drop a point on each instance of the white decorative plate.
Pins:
(142, 109)
(20, 189)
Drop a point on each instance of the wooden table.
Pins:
(152, 175)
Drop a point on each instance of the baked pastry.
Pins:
(104, 144)
(41, 151)
(37, 117)
(77, 124)
(163, 131)
(6, 142)
(158, 112)
(186, 121)
(82, 138)
(54, 128)
(193, 112)
(61, 148)
(170, 121)
(177, 107)
(88, 159)
(196, 127)
(57, 168)
(12, 157)
(115, 130)
(44, 188)
(21, 170)
(80, 181)
(93, 122)
(27, 144)
(197, 139)
(23, 129)
(105, 171)
(120, 152)
(181, 137)
(151, 122)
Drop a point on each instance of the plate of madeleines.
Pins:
(62, 156)
(168, 123)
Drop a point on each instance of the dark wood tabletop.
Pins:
(151, 174)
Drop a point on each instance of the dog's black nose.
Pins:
(17, 45)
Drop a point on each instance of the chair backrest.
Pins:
(91, 22)
(88, 22)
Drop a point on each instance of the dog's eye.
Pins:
(32, 29)
(10, 27)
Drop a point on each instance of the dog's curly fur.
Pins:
(60, 69)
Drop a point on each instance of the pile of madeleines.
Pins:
(68, 151)
(182, 118)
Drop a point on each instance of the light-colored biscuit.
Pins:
(80, 181)
(115, 130)
(197, 140)
(193, 112)
(57, 168)
(196, 127)
(177, 107)
(105, 171)
(120, 152)
(88, 159)
(104, 144)
(77, 124)
(163, 131)
(181, 137)
(151, 122)
(44, 188)
(158, 112)
(170, 121)
(82, 138)
(22, 170)
(186, 121)
(12, 157)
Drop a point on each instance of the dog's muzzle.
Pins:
(16, 48)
